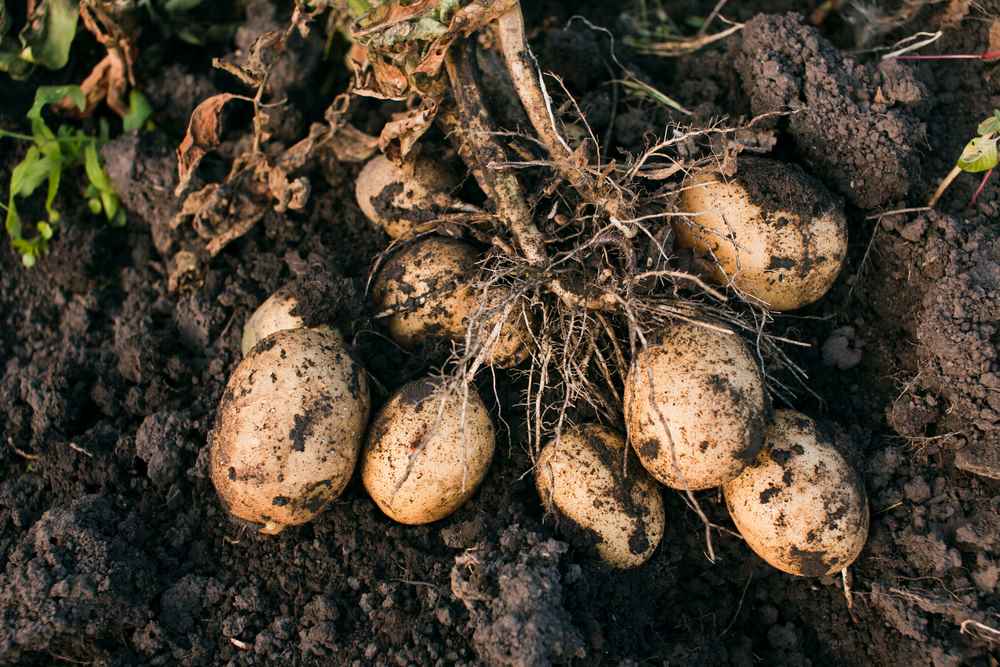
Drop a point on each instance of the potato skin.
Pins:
(288, 428)
(274, 314)
(579, 477)
(707, 388)
(421, 462)
(800, 507)
(399, 197)
(429, 287)
(773, 231)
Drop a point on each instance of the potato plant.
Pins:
(608, 293)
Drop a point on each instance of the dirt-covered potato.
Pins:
(427, 451)
(398, 197)
(695, 407)
(427, 291)
(289, 427)
(772, 231)
(800, 506)
(579, 478)
(275, 314)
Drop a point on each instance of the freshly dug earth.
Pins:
(114, 548)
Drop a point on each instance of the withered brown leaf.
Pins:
(203, 134)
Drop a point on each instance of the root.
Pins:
(980, 631)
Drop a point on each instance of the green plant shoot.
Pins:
(979, 155)
(49, 155)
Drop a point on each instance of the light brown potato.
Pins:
(801, 507)
(695, 407)
(397, 198)
(289, 427)
(274, 314)
(579, 478)
(777, 234)
(428, 290)
(427, 451)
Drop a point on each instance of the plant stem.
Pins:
(535, 100)
(947, 181)
(982, 186)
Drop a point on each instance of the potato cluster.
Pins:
(698, 417)
(293, 421)
(293, 418)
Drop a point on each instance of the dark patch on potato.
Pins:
(649, 448)
(264, 345)
(778, 263)
(303, 424)
(780, 456)
(811, 563)
(638, 541)
(231, 473)
(280, 501)
(767, 494)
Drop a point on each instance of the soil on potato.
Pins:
(114, 548)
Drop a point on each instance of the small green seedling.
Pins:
(50, 154)
(979, 155)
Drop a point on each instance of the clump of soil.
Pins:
(78, 578)
(852, 123)
(513, 592)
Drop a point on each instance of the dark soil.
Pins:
(114, 548)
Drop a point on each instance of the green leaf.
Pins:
(12, 222)
(980, 154)
(49, 94)
(49, 33)
(100, 180)
(139, 111)
(95, 172)
(44, 230)
(29, 174)
(991, 125)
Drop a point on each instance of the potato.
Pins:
(579, 478)
(427, 452)
(773, 231)
(275, 314)
(428, 290)
(288, 428)
(801, 507)
(397, 198)
(695, 407)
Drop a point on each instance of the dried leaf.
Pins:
(469, 19)
(350, 144)
(203, 134)
(389, 14)
(406, 128)
(254, 70)
(404, 45)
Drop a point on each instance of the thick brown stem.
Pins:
(481, 150)
(524, 73)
